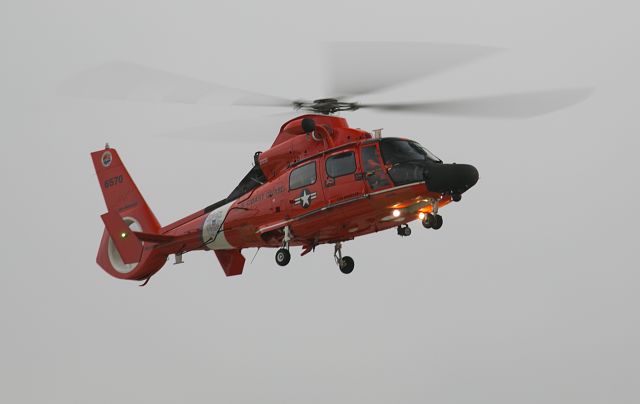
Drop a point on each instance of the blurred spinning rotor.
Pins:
(411, 61)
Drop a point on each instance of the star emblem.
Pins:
(305, 198)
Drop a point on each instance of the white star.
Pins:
(304, 198)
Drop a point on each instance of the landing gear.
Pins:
(345, 264)
(404, 231)
(283, 256)
(432, 221)
(456, 197)
(438, 223)
(428, 221)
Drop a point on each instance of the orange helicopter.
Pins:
(320, 182)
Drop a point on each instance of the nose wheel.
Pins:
(345, 264)
(432, 221)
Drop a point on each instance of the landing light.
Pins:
(421, 215)
(123, 234)
(396, 213)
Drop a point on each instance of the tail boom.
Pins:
(134, 246)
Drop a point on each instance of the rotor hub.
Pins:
(325, 106)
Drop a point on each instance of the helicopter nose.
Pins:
(451, 178)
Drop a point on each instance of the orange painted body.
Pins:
(329, 210)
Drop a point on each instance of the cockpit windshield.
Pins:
(395, 151)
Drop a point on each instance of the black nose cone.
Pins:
(451, 178)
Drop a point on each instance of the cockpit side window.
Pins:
(406, 160)
(372, 166)
(396, 151)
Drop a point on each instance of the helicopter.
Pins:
(320, 182)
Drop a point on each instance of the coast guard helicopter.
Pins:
(320, 182)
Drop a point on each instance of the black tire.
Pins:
(428, 221)
(346, 265)
(438, 222)
(456, 197)
(407, 231)
(283, 256)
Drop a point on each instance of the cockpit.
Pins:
(406, 160)
(396, 151)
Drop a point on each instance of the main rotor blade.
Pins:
(251, 130)
(358, 68)
(129, 81)
(513, 106)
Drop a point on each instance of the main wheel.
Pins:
(428, 221)
(346, 265)
(283, 256)
(456, 197)
(438, 222)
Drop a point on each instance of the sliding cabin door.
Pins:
(342, 177)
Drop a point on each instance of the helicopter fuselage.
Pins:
(320, 182)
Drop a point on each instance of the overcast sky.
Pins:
(528, 294)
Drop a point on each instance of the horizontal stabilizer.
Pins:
(125, 240)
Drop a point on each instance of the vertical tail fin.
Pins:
(120, 192)
(123, 198)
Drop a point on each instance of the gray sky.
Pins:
(527, 294)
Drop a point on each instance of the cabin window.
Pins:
(341, 164)
(303, 176)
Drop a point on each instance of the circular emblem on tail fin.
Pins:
(106, 159)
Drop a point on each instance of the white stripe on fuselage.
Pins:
(213, 229)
